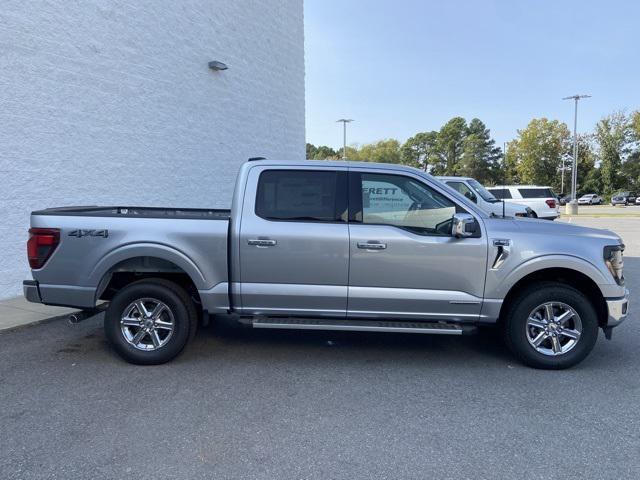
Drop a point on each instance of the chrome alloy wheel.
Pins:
(553, 328)
(147, 324)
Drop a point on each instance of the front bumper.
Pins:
(31, 291)
(617, 309)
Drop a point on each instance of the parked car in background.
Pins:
(541, 200)
(590, 199)
(624, 198)
(637, 200)
(564, 199)
(475, 191)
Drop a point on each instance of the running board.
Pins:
(435, 328)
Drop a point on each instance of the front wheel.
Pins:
(551, 325)
(150, 321)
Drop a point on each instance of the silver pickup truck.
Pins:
(331, 246)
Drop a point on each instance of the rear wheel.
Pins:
(149, 322)
(551, 325)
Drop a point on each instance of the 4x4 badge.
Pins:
(89, 233)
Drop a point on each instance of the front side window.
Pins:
(464, 190)
(303, 195)
(406, 203)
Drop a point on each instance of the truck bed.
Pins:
(95, 242)
(137, 212)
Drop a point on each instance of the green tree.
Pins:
(327, 153)
(450, 146)
(536, 154)
(509, 166)
(589, 180)
(614, 136)
(383, 151)
(635, 124)
(631, 172)
(420, 151)
(480, 156)
(322, 153)
(311, 151)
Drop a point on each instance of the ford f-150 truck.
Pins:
(331, 246)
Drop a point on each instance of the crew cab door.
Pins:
(294, 242)
(404, 262)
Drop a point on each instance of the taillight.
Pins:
(42, 242)
(551, 203)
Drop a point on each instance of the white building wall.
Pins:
(112, 102)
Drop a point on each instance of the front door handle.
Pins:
(372, 245)
(261, 242)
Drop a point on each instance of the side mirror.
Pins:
(471, 196)
(464, 225)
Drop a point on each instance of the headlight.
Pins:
(613, 261)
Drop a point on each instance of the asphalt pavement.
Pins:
(251, 404)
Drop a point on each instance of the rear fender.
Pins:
(100, 273)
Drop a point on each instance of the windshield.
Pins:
(483, 192)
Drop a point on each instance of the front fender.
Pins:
(500, 281)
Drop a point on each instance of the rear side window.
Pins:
(500, 193)
(536, 193)
(303, 195)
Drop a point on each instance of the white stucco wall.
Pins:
(112, 102)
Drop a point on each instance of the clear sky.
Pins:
(398, 67)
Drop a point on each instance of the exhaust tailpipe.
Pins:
(78, 317)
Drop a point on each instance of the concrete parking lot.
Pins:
(264, 405)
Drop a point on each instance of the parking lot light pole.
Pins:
(344, 135)
(572, 206)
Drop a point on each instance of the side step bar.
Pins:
(436, 328)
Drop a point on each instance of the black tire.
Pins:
(517, 314)
(181, 307)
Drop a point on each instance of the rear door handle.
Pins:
(261, 242)
(372, 245)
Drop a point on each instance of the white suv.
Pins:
(474, 191)
(541, 200)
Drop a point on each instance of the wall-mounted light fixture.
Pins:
(215, 65)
